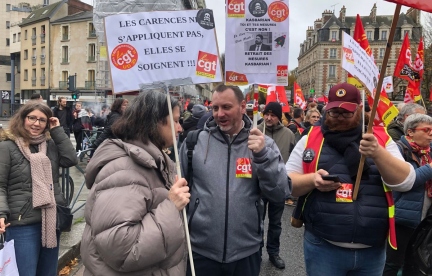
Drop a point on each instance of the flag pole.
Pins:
(185, 222)
(378, 92)
(255, 109)
(363, 110)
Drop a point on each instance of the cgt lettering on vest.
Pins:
(344, 193)
(243, 168)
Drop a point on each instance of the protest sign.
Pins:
(158, 46)
(358, 63)
(257, 42)
(388, 84)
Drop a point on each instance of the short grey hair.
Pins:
(409, 109)
(414, 120)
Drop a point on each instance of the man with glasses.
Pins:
(285, 141)
(344, 236)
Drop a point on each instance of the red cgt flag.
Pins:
(277, 94)
(325, 99)
(404, 66)
(299, 98)
(424, 5)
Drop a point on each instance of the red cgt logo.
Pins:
(236, 8)
(206, 65)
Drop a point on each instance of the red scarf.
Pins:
(423, 154)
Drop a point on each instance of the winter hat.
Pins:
(275, 108)
(190, 106)
(249, 106)
(198, 111)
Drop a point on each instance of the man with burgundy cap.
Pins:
(344, 236)
(285, 141)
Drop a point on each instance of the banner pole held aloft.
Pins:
(255, 108)
(377, 93)
(185, 222)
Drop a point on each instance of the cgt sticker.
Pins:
(282, 74)
(236, 8)
(206, 65)
(234, 78)
(278, 11)
(344, 193)
(243, 168)
(258, 8)
(349, 56)
(124, 56)
(308, 155)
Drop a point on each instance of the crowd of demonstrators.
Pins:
(341, 238)
(37, 97)
(226, 209)
(312, 116)
(188, 112)
(412, 206)
(204, 119)
(81, 123)
(64, 114)
(142, 233)
(118, 107)
(396, 128)
(191, 123)
(285, 141)
(33, 148)
(296, 123)
(249, 112)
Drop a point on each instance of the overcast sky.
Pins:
(303, 13)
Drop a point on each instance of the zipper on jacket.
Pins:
(193, 213)
(259, 217)
(24, 209)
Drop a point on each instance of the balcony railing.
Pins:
(92, 33)
(65, 37)
(34, 60)
(65, 60)
(42, 80)
(90, 85)
(333, 57)
(63, 85)
(42, 59)
(33, 39)
(22, 9)
(91, 59)
(42, 36)
(33, 81)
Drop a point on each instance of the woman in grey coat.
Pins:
(33, 149)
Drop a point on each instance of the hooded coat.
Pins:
(132, 228)
(395, 129)
(283, 137)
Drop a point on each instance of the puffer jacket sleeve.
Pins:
(131, 237)
(66, 151)
(5, 165)
(273, 179)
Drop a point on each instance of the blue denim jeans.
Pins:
(32, 258)
(324, 258)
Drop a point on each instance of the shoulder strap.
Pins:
(406, 153)
(191, 141)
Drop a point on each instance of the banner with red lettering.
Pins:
(257, 42)
(424, 5)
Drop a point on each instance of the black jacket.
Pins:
(69, 118)
(107, 133)
(188, 125)
(16, 180)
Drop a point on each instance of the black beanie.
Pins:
(275, 108)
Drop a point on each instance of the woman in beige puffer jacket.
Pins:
(133, 220)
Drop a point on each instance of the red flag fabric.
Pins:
(299, 99)
(186, 104)
(360, 36)
(430, 95)
(315, 99)
(424, 5)
(409, 95)
(277, 94)
(404, 66)
(418, 64)
(206, 103)
(325, 99)
(247, 97)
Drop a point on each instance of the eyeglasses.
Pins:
(33, 119)
(335, 114)
(315, 117)
(424, 129)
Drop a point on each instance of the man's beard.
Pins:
(366, 119)
(337, 125)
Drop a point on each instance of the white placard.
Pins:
(388, 84)
(257, 42)
(358, 63)
(159, 46)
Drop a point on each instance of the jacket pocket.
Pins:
(193, 213)
(259, 216)
(25, 210)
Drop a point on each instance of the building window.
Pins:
(384, 35)
(19, 37)
(7, 24)
(332, 71)
(26, 75)
(333, 53)
(42, 78)
(92, 31)
(14, 38)
(91, 52)
(8, 7)
(406, 32)
(25, 54)
(334, 35)
(65, 54)
(33, 77)
(7, 41)
(369, 35)
(34, 57)
(90, 84)
(382, 51)
(65, 75)
(42, 55)
(46, 2)
(379, 67)
(33, 36)
(25, 34)
(8, 76)
(65, 33)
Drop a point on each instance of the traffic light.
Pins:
(75, 95)
(312, 91)
(71, 83)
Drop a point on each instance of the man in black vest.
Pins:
(344, 236)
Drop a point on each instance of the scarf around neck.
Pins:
(425, 158)
(42, 187)
(347, 144)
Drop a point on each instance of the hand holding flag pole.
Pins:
(378, 92)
